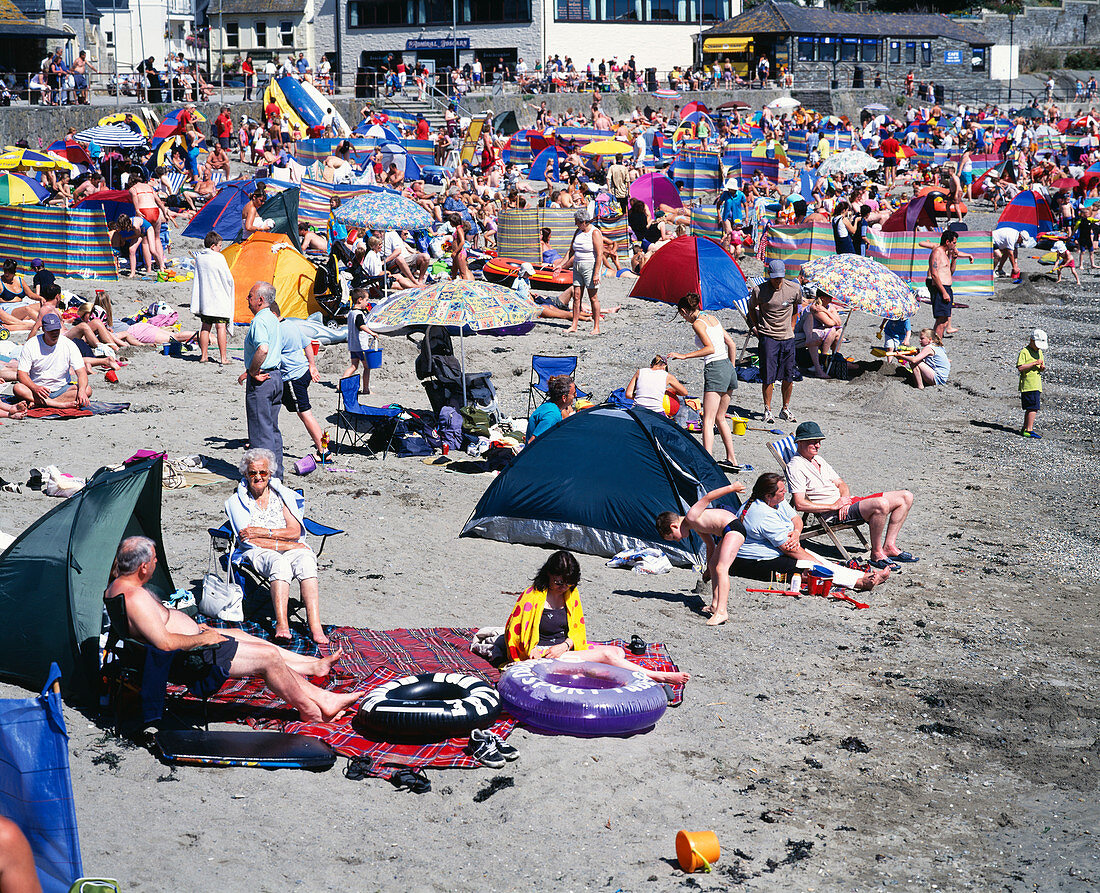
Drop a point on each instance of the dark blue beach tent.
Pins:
(596, 482)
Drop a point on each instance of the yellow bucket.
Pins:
(740, 425)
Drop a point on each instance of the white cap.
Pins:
(526, 269)
(1040, 339)
(1059, 246)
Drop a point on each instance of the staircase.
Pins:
(412, 106)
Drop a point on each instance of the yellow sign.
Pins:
(727, 44)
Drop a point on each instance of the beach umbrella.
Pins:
(1029, 112)
(733, 105)
(606, 147)
(72, 152)
(383, 210)
(863, 284)
(454, 303)
(19, 189)
(849, 161)
(382, 133)
(654, 190)
(784, 102)
(665, 93)
(15, 157)
(111, 135)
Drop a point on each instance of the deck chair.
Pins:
(543, 368)
(136, 674)
(359, 425)
(814, 526)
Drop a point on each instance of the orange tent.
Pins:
(271, 257)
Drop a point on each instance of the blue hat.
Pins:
(808, 431)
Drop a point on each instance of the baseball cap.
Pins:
(526, 269)
(777, 269)
(1040, 339)
(51, 322)
(36, 263)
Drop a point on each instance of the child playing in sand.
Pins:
(357, 328)
(723, 535)
(1062, 259)
(1031, 365)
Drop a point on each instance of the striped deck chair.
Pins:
(175, 180)
(813, 525)
(470, 141)
(217, 177)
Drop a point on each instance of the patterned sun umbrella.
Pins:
(111, 135)
(383, 210)
(863, 284)
(607, 147)
(850, 161)
(19, 189)
(455, 303)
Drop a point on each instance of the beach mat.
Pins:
(373, 658)
(257, 750)
(94, 408)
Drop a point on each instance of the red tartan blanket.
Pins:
(373, 658)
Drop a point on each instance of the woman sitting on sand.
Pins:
(548, 621)
(267, 523)
(772, 540)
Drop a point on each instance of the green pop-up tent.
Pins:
(53, 576)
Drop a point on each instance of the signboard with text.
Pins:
(952, 57)
(437, 43)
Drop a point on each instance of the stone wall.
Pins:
(1076, 23)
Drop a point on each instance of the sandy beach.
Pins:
(948, 737)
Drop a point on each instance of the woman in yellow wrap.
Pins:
(548, 621)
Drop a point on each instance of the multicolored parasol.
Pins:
(383, 210)
(850, 161)
(31, 159)
(863, 284)
(19, 189)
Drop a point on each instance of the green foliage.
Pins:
(1088, 59)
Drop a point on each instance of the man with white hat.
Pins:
(771, 315)
(1031, 364)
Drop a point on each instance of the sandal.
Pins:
(883, 563)
(904, 557)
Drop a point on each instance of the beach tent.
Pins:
(223, 212)
(655, 189)
(920, 212)
(53, 576)
(282, 210)
(111, 202)
(272, 258)
(505, 124)
(627, 466)
(72, 242)
(689, 264)
(1028, 212)
(546, 166)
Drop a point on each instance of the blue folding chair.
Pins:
(543, 368)
(351, 415)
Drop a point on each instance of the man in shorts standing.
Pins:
(771, 319)
(941, 269)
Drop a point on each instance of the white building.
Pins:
(264, 29)
(658, 33)
(133, 30)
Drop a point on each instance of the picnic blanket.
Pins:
(373, 658)
(95, 407)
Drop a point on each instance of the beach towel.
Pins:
(95, 407)
(373, 658)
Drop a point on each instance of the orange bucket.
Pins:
(697, 849)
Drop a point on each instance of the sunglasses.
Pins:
(258, 474)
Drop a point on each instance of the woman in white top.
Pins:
(719, 373)
(648, 386)
(586, 251)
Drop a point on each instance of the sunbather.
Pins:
(238, 653)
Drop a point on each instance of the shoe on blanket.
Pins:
(502, 747)
(484, 751)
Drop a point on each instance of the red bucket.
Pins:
(819, 581)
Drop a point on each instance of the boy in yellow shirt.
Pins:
(1031, 365)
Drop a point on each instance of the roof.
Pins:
(14, 23)
(70, 9)
(787, 18)
(258, 7)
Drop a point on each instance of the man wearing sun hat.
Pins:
(771, 312)
(47, 366)
(815, 487)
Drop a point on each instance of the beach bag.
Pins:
(475, 420)
(221, 599)
(450, 427)
(838, 366)
(409, 441)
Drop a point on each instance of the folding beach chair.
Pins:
(358, 425)
(813, 525)
(543, 368)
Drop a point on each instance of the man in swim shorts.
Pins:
(941, 269)
(722, 534)
(816, 488)
(238, 654)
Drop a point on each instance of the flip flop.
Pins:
(904, 557)
(883, 563)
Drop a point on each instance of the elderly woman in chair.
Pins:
(268, 525)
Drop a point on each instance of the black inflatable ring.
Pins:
(428, 707)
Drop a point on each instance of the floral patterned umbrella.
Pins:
(863, 284)
(383, 210)
(850, 161)
(455, 303)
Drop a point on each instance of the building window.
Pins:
(826, 49)
(261, 35)
(664, 10)
(574, 11)
(439, 12)
(895, 52)
(926, 53)
(620, 10)
(714, 10)
(977, 58)
(868, 50)
(232, 35)
(849, 49)
(286, 34)
(109, 38)
(806, 49)
(484, 12)
(910, 52)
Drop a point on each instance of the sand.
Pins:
(944, 738)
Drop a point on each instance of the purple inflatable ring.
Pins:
(581, 698)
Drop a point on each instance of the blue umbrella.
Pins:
(383, 210)
(111, 135)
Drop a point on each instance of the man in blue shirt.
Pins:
(299, 368)
(263, 349)
(560, 394)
